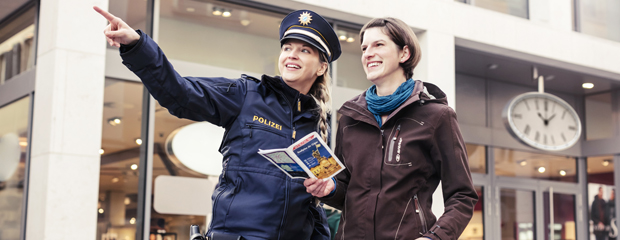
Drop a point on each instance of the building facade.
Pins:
(85, 152)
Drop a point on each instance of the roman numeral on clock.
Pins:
(527, 130)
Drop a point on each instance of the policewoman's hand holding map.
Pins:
(308, 157)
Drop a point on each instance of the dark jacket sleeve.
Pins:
(450, 158)
(336, 200)
(216, 100)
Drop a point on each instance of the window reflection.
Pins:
(246, 41)
(601, 196)
(600, 18)
(350, 71)
(477, 157)
(517, 214)
(13, 145)
(118, 180)
(512, 163)
(17, 46)
(513, 7)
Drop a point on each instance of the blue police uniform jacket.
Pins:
(253, 198)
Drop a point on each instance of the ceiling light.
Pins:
(493, 66)
(350, 39)
(226, 13)
(100, 210)
(101, 151)
(115, 180)
(562, 173)
(138, 141)
(245, 22)
(132, 220)
(549, 77)
(587, 85)
(523, 163)
(343, 37)
(134, 166)
(190, 9)
(217, 11)
(606, 162)
(541, 169)
(114, 121)
(23, 144)
(127, 200)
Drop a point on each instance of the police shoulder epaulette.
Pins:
(250, 78)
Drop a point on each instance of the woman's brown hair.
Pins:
(402, 35)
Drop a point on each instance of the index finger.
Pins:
(104, 13)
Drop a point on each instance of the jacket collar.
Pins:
(357, 108)
(291, 96)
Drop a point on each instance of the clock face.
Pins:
(543, 121)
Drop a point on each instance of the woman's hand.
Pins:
(118, 32)
(319, 187)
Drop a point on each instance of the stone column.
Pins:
(68, 104)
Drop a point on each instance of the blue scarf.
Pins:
(381, 105)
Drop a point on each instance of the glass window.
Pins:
(601, 170)
(563, 216)
(601, 195)
(517, 214)
(13, 144)
(169, 161)
(513, 163)
(477, 157)
(17, 46)
(220, 35)
(600, 18)
(350, 71)
(513, 7)
(598, 123)
(475, 228)
(120, 156)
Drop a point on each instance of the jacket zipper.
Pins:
(259, 127)
(292, 141)
(391, 151)
(402, 218)
(228, 85)
(420, 212)
(224, 188)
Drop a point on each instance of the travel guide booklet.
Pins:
(308, 157)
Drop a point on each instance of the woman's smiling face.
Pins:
(381, 56)
(299, 64)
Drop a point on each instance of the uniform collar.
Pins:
(297, 100)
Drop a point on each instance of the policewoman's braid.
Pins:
(321, 92)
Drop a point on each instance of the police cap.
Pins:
(310, 27)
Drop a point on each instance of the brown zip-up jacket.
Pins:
(391, 172)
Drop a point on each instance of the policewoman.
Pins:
(253, 199)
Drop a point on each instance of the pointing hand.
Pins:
(118, 32)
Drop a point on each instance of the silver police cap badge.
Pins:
(305, 18)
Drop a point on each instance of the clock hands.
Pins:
(546, 121)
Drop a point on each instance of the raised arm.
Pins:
(216, 100)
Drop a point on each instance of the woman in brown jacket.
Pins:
(398, 140)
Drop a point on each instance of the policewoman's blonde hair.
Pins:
(321, 92)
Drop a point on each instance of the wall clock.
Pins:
(542, 121)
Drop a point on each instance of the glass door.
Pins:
(559, 211)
